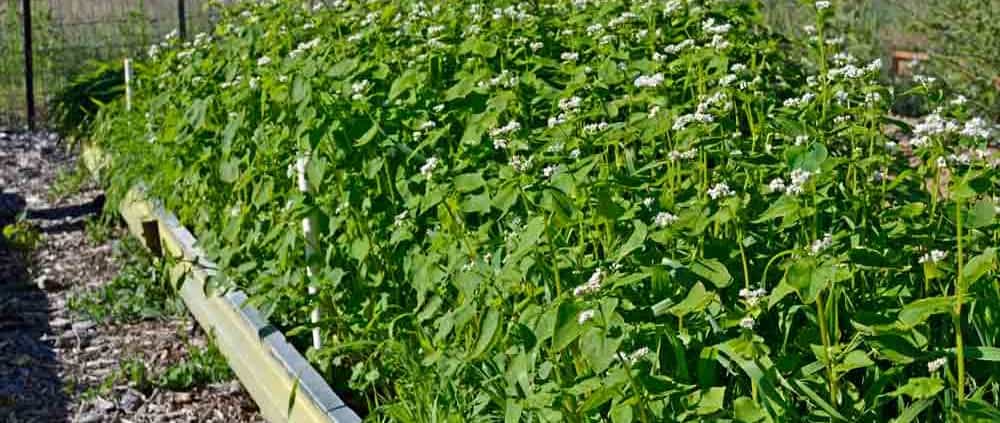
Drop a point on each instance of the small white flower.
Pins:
(428, 168)
(933, 366)
(776, 185)
(570, 104)
(664, 219)
(934, 256)
(549, 170)
(747, 323)
(520, 164)
(799, 178)
(400, 219)
(960, 100)
(263, 61)
(569, 56)
(648, 201)
(719, 190)
(637, 355)
(822, 5)
(585, 316)
(821, 244)
(575, 154)
(592, 285)
(649, 81)
(537, 45)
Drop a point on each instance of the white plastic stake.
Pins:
(128, 84)
(307, 228)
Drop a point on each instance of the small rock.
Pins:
(182, 398)
(103, 404)
(130, 401)
(83, 326)
(59, 323)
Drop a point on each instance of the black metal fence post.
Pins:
(181, 19)
(29, 71)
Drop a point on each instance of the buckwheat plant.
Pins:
(582, 211)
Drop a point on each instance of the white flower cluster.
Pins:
(569, 56)
(664, 219)
(400, 219)
(822, 5)
(649, 81)
(710, 27)
(977, 128)
(719, 42)
(498, 134)
(821, 244)
(520, 164)
(719, 190)
(505, 79)
(358, 89)
(933, 366)
(850, 71)
(585, 316)
(592, 285)
(593, 128)
(570, 104)
(677, 48)
(752, 296)
(799, 101)
(428, 168)
(934, 256)
(675, 155)
(549, 170)
(302, 48)
(747, 323)
(932, 125)
(637, 355)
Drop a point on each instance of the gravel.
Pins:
(55, 366)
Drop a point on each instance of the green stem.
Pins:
(825, 336)
(957, 315)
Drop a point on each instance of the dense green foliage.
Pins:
(73, 108)
(576, 211)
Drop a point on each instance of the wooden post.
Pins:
(29, 68)
(128, 84)
(181, 20)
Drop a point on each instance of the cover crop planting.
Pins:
(627, 211)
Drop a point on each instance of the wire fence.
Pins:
(67, 35)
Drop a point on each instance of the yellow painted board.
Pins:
(268, 367)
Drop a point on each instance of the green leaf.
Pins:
(713, 271)
(301, 89)
(567, 328)
(598, 348)
(982, 214)
(469, 182)
(913, 410)
(229, 171)
(975, 410)
(621, 413)
(784, 207)
(409, 79)
(697, 299)
(920, 387)
(746, 410)
(488, 330)
(634, 241)
(856, 359)
(919, 311)
(343, 67)
(979, 265)
(711, 401)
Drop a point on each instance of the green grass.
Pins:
(141, 290)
